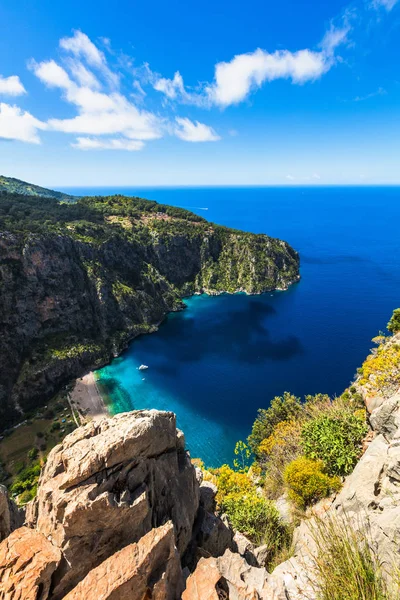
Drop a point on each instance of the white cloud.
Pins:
(379, 92)
(170, 87)
(99, 113)
(85, 143)
(236, 79)
(17, 124)
(83, 75)
(11, 86)
(194, 132)
(290, 177)
(386, 4)
(82, 47)
(174, 89)
(50, 73)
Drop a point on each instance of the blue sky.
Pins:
(200, 93)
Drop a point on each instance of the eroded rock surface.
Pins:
(27, 563)
(107, 485)
(149, 569)
(10, 516)
(228, 576)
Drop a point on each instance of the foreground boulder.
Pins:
(228, 576)
(27, 563)
(107, 485)
(149, 569)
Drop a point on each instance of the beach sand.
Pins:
(86, 398)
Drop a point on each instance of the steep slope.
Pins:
(78, 281)
(16, 186)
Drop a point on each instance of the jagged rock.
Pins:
(27, 563)
(11, 517)
(202, 584)
(108, 484)
(208, 491)
(245, 548)
(291, 581)
(228, 576)
(262, 555)
(212, 534)
(386, 418)
(149, 569)
(362, 487)
(373, 401)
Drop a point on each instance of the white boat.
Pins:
(143, 367)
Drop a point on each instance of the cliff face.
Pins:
(73, 293)
(120, 510)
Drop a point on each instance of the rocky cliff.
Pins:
(78, 281)
(121, 514)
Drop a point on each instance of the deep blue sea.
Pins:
(224, 357)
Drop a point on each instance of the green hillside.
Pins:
(16, 186)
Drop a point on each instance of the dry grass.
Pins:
(347, 566)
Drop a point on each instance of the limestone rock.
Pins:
(107, 485)
(208, 491)
(212, 535)
(245, 548)
(228, 576)
(11, 517)
(149, 569)
(386, 418)
(202, 584)
(27, 563)
(291, 581)
(262, 555)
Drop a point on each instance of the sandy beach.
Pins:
(86, 397)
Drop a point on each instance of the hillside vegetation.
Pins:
(79, 280)
(16, 186)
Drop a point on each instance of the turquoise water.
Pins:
(222, 358)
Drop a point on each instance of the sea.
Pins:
(224, 357)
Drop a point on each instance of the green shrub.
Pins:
(307, 481)
(230, 481)
(27, 495)
(394, 323)
(282, 408)
(33, 454)
(26, 481)
(255, 517)
(335, 439)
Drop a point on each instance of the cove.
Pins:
(224, 357)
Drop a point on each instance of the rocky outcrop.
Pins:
(27, 563)
(229, 576)
(369, 501)
(72, 300)
(107, 485)
(149, 569)
(11, 517)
